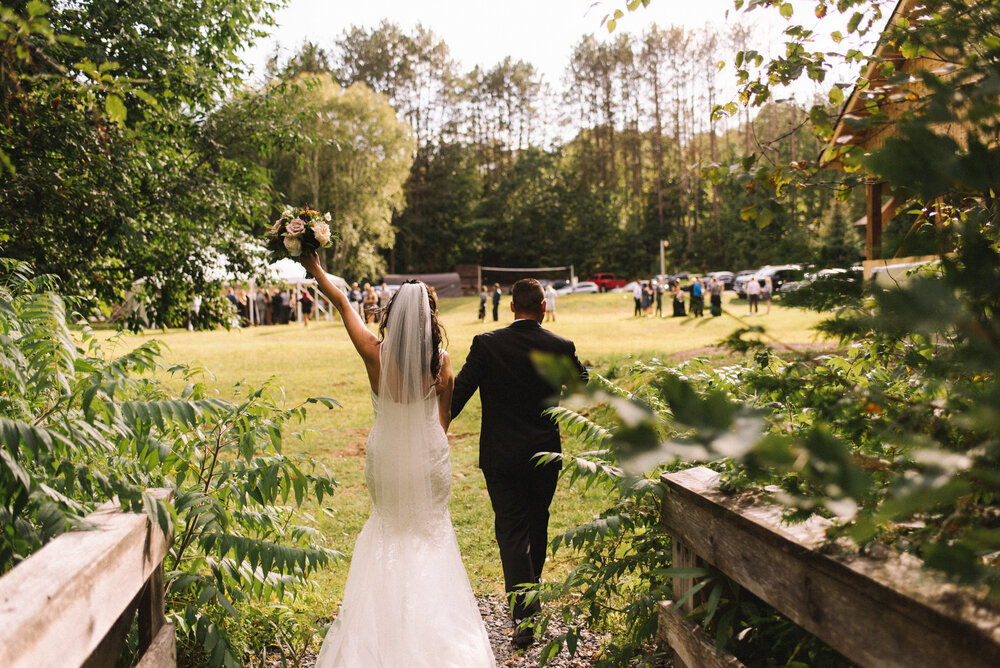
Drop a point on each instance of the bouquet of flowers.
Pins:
(298, 232)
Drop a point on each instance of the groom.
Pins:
(513, 397)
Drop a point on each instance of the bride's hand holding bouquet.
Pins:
(311, 263)
(299, 233)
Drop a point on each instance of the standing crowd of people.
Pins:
(370, 301)
(273, 306)
(648, 297)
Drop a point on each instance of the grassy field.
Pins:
(320, 361)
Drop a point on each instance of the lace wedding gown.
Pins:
(407, 601)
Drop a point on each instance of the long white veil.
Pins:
(407, 468)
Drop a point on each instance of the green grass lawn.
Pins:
(320, 361)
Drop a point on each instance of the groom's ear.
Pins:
(512, 306)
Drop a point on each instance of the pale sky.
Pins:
(542, 32)
(484, 32)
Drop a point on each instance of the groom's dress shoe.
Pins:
(522, 638)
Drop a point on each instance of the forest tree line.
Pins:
(132, 169)
(510, 170)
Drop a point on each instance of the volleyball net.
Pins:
(510, 275)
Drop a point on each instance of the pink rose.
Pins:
(295, 227)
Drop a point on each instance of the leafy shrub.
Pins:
(80, 427)
(894, 437)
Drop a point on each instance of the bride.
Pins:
(407, 601)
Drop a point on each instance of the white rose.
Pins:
(326, 217)
(322, 232)
(294, 246)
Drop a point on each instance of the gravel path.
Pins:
(499, 628)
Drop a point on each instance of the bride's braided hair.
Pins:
(437, 331)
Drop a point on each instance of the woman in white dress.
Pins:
(407, 601)
(550, 302)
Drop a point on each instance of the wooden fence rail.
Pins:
(72, 602)
(876, 612)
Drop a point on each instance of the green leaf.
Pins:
(691, 592)
(852, 24)
(836, 95)
(36, 8)
(549, 652)
(115, 109)
(787, 10)
(764, 218)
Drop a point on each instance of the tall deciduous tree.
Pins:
(110, 184)
(354, 168)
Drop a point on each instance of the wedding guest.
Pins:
(286, 306)
(194, 314)
(260, 306)
(678, 296)
(550, 302)
(766, 293)
(753, 293)
(658, 291)
(497, 295)
(243, 307)
(484, 295)
(697, 298)
(384, 295)
(637, 296)
(370, 301)
(276, 307)
(354, 299)
(307, 306)
(715, 295)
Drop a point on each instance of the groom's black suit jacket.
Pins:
(512, 393)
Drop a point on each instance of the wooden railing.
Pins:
(72, 602)
(875, 612)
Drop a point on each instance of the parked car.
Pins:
(780, 275)
(724, 277)
(580, 287)
(851, 275)
(606, 281)
(628, 287)
(680, 277)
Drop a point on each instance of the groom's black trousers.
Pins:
(520, 497)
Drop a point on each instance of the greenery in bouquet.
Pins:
(299, 232)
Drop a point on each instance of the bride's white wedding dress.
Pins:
(407, 601)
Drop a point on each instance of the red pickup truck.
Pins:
(607, 282)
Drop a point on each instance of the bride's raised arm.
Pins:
(365, 341)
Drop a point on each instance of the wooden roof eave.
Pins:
(855, 103)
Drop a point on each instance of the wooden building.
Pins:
(889, 87)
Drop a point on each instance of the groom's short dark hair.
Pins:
(528, 297)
